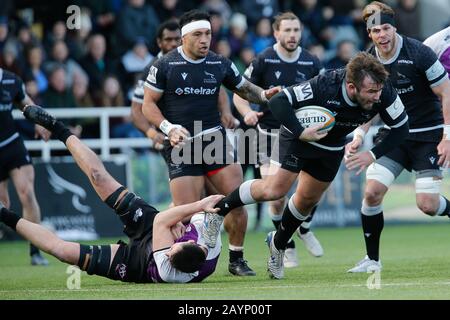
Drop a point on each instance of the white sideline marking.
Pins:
(215, 289)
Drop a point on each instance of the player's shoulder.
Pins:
(416, 49)
(330, 78)
(8, 77)
(306, 55)
(267, 53)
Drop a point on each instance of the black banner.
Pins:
(69, 204)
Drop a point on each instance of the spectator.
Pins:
(262, 38)
(218, 6)
(407, 16)
(8, 58)
(58, 94)
(310, 14)
(168, 9)
(97, 65)
(345, 51)
(258, 9)
(101, 13)
(246, 56)
(60, 56)
(135, 61)
(4, 31)
(237, 36)
(136, 19)
(59, 33)
(217, 29)
(80, 92)
(34, 68)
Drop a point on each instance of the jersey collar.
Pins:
(346, 97)
(298, 51)
(185, 57)
(397, 53)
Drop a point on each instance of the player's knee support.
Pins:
(95, 259)
(428, 185)
(380, 173)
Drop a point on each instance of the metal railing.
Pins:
(105, 143)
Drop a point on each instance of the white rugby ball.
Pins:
(315, 115)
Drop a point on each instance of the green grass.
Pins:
(416, 260)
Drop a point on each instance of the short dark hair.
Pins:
(362, 65)
(283, 16)
(189, 259)
(194, 15)
(171, 25)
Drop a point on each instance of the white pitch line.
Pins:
(215, 289)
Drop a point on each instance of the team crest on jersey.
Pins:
(277, 74)
(303, 92)
(300, 76)
(402, 79)
(184, 75)
(209, 78)
(152, 74)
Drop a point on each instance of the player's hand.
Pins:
(207, 204)
(360, 161)
(312, 134)
(444, 153)
(178, 230)
(353, 147)
(251, 118)
(41, 132)
(228, 121)
(178, 136)
(269, 93)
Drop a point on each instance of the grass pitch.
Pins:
(415, 258)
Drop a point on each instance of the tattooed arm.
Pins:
(255, 94)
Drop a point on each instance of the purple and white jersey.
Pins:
(161, 270)
(440, 43)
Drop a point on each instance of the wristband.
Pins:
(446, 135)
(359, 133)
(166, 127)
(263, 96)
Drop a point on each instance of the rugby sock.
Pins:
(60, 131)
(33, 250)
(444, 206)
(236, 253)
(276, 220)
(9, 218)
(238, 198)
(291, 220)
(372, 223)
(305, 226)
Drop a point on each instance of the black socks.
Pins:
(372, 227)
(9, 218)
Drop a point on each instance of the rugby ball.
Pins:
(314, 115)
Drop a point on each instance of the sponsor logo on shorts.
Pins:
(121, 270)
(137, 214)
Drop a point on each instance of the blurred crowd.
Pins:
(99, 63)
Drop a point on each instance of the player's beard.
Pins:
(289, 47)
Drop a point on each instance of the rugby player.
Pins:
(355, 95)
(284, 64)
(440, 44)
(424, 87)
(161, 248)
(15, 162)
(182, 89)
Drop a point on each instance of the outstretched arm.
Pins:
(255, 94)
(162, 236)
